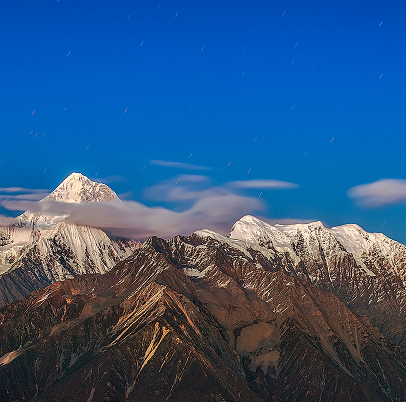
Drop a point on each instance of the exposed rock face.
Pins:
(364, 270)
(194, 319)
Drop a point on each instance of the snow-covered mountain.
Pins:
(14, 239)
(42, 248)
(365, 270)
(79, 189)
(269, 313)
(314, 237)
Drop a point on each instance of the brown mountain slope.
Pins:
(193, 319)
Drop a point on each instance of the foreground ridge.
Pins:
(199, 319)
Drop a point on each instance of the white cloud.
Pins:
(379, 193)
(33, 196)
(181, 188)
(12, 204)
(214, 207)
(22, 190)
(262, 184)
(130, 218)
(179, 165)
(5, 220)
(194, 204)
(11, 195)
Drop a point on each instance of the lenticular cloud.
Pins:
(379, 193)
(262, 184)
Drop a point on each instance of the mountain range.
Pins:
(269, 313)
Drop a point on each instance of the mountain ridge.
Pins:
(269, 313)
(151, 329)
(369, 278)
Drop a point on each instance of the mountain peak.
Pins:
(79, 189)
(75, 189)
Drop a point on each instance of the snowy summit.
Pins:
(79, 189)
(75, 189)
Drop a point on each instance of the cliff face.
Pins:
(194, 319)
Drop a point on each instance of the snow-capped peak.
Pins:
(314, 237)
(351, 236)
(79, 189)
(252, 230)
(75, 189)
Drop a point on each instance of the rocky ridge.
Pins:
(364, 270)
(198, 319)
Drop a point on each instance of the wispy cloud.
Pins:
(110, 179)
(33, 196)
(12, 196)
(23, 190)
(214, 207)
(5, 220)
(379, 193)
(14, 204)
(182, 188)
(193, 203)
(179, 165)
(130, 218)
(262, 184)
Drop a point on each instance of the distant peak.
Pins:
(350, 226)
(75, 189)
(76, 176)
(249, 219)
(79, 189)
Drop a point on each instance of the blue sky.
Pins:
(309, 93)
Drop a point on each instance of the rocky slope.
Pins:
(201, 318)
(364, 270)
